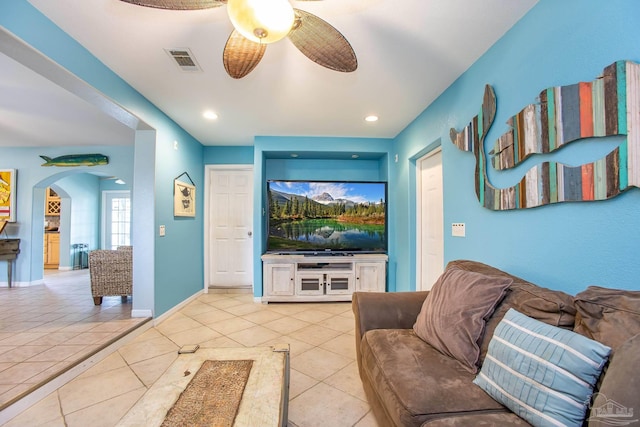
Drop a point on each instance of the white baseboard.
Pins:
(141, 313)
(15, 284)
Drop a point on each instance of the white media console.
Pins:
(307, 278)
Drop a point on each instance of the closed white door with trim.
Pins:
(230, 228)
(430, 233)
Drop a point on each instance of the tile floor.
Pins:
(45, 329)
(325, 386)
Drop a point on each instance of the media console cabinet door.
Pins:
(370, 276)
(279, 279)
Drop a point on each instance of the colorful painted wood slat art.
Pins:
(607, 106)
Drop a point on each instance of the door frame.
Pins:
(419, 228)
(207, 190)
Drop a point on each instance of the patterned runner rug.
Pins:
(213, 396)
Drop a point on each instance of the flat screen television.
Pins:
(321, 217)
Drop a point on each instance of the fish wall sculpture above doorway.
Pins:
(607, 106)
(76, 160)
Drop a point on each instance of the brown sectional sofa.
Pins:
(410, 383)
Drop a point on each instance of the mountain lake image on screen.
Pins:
(327, 216)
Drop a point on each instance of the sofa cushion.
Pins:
(619, 394)
(610, 316)
(546, 305)
(454, 313)
(542, 373)
(414, 382)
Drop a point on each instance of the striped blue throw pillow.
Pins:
(542, 373)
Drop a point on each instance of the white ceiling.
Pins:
(408, 51)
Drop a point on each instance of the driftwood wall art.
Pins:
(607, 106)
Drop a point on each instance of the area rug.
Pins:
(212, 397)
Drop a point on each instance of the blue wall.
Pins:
(565, 246)
(177, 264)
(31, 182)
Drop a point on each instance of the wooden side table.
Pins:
(9, 250)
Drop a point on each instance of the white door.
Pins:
(430, 233)
(230, 228)
(116, 219)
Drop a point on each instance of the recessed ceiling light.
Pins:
(354, 156)
(371, 118)
(209, 115)
(294, 155)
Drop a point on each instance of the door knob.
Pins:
(249, 233)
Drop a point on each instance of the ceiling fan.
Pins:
(260, 22)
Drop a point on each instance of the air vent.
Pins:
(184, 59)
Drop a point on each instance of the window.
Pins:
(117, 219)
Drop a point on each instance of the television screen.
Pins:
(323, 216)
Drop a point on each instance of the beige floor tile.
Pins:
(299, 383)
(21, 372)
(22, 338)
(339, 323)
(110, 363)
(231, 325)
(149, 334)
(225, 303)
(286, 308)
(312, 315)
(338, 409)
(213, 316)
(334, 307)
(348, 380)
(368, 420)
(82, 393)
(212, 297)
(57, 353)
(344, 345)
(254, 336)
(44, 413)
(106, 413)
(314, 334)
(196, 307)
(22, 353)
(243, 308)
(219, 342)
(150, 370)
(348, 314)
(177, 323)
(286, 325)
(6, 365)
(318, 363)
(262, 316)
(55, 338)
(142, 350)
(193, 336)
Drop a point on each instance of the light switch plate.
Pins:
(457, 229)
(162, 230)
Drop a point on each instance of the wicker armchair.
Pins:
(111, 273)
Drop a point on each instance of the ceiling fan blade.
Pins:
(322, 43)
(241, 55)
(178, 4)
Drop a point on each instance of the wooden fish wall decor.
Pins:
(76, 160)
(607, 106)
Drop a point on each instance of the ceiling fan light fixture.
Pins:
(261, 21)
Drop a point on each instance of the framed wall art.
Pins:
(8, 195)
(184, 197)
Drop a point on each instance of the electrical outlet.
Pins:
(457, 229)
(162, 230)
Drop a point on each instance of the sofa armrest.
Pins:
(382, 310)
